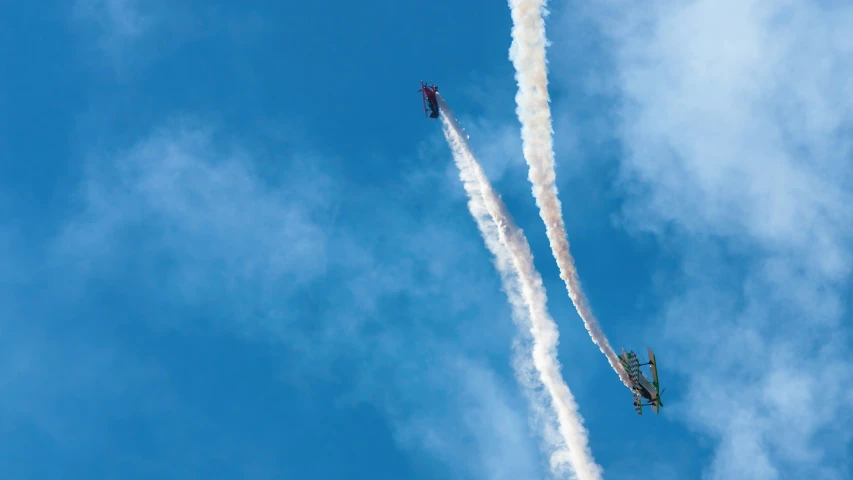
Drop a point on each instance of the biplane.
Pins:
(642, 387)
(428, 93)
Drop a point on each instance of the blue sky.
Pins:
(233, 247)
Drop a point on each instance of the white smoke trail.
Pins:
(543, 418)
(514, 260)
(528, 56)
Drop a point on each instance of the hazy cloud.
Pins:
(733, 118)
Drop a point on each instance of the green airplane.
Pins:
(643, 389)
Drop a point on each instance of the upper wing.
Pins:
(655, 381)
(423, 97)
(654, 368)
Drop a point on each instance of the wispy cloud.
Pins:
(481, 410)
(122, 19)
(117, 25)
(125, 36)
(733, 122)
(198, 208)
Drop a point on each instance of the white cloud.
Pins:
(483, 415)
(127, 35)
(119, 18)
(733, 121)
(734, 117)
(198, 210)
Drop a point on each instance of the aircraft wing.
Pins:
(654, 368)
(656, 404)
(423, 97)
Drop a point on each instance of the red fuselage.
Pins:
(429, 94)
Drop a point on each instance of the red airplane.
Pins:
(428, 93)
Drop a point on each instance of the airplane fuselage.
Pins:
(647, 390)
